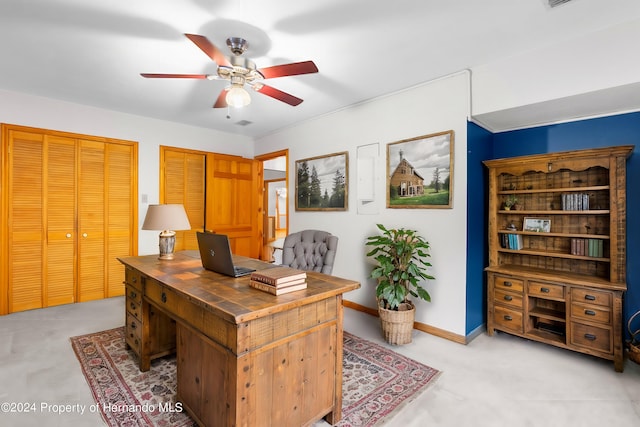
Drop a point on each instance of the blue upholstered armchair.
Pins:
(312, 250)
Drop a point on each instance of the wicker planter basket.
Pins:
(397, 326)
(634, 344)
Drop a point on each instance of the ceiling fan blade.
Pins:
(208, 48)
(278, 94)
(221, 102)
(293, 69)
(174, 76)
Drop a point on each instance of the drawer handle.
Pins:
(508, 318)
(163, 297)
(133, 306)
(545, 290)
(590, 312)
(133, 294)
(508, 284)
(590, 337)
(135, 279)
(589, 297)
(133, 325)
(508, 297)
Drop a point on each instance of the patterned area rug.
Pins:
(376, 382)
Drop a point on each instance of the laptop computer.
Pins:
(215, 253)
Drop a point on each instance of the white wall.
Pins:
(429, 108)
(600, 60)
(46, 113)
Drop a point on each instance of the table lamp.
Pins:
(167, 218)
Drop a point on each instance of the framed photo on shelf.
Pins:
(538, 225)
(420, 172)
(322, 182)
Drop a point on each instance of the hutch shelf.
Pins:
(557, 261)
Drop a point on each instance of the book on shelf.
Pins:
(278, 275)
(277, 290)
(588, 247)
(575, 202)
(511, 241)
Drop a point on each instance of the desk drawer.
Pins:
(176, 305)
(133, 333)
(134, 294)
(133, 278)
(134, 309)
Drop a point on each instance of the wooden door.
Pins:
(182, 181)
(234, 202)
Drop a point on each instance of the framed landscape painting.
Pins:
(420, 171)
(322, 182)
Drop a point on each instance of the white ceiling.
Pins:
(92, 53)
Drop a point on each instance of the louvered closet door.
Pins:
(60, 202)
(26, 213)
(42, 214)
(91, 220)
(121, 200)
(183, 182)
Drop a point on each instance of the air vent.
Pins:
(243, 123)
(556, 3)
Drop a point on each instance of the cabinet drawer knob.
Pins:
(163, 297)
(508, 297)
(590, 312)
(133, 294)
(508, 318)
(68, 235)
(544, 290)
(590, 337)
(508, 284)
(133, 325)
(589, 297)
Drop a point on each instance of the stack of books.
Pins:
(279, 280)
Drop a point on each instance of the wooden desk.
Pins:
(244, 357)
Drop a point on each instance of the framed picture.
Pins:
(322, 183)
(420, 172)
(538, 225)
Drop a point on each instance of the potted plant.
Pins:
(402, 264)
(510, 202)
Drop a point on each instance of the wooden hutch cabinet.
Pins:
(557, 259)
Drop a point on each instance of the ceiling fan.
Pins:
(241, 71)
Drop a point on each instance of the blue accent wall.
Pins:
(621, 129)
(480, 147)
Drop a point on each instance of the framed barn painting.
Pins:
(322, 183)
(420, 172)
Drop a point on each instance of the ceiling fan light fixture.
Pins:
(237, 97)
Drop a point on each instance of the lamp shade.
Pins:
(166, 217)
